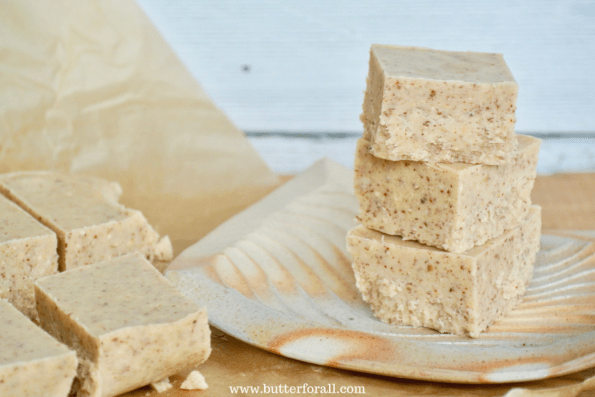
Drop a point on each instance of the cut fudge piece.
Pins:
(439, 106)
(85, 214)
(450, 206)
(129, 325)
(411, 284)
(28, 251)
(32, 363)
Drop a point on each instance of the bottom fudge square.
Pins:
(407, 283)
(129, 325)
(32, 363)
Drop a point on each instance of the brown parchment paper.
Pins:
(89, 86)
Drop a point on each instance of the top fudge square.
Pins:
(439, 106)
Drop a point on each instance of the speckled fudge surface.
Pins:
(28, 251)
(129, 325)
(449, 206)
(439, 106)
(32, 363)
(408, 283)
(85, 214)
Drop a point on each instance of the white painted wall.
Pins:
(300, 66)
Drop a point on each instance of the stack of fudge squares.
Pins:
(447, 236)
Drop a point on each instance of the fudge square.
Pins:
(407, 283)
(32, 363)
(129, 325)
(449, 206)
(439, 106)
(85, 214)
(28, 251)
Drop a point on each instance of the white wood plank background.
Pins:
(290, 154)
(300, 66)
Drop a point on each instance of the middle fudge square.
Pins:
(407, 283)
(129, 326)
(449, 206)
(439, 106)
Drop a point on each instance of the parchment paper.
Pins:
(89, 86)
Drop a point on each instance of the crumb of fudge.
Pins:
(194, 381)
(439, 106)
(161, 385)
(450, 206)
(407, 283)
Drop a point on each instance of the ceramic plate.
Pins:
(278, 276)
